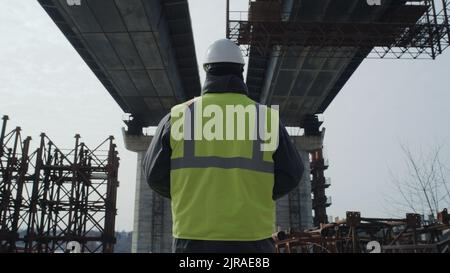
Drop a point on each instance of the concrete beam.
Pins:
(309, 143)
(136, 143)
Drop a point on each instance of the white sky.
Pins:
(46, 87)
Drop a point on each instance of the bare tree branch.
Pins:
(419, 177)
(443, 179)
(397, 184)
(424, 187)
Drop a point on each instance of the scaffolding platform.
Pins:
(337, 29)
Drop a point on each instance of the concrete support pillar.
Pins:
(141, 239)
(304, 190)
(152, 226)
(294, 211)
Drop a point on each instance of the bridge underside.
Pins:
(304, 71)
(142, 51)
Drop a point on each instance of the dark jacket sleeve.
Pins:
(156, 163)
(289, 167)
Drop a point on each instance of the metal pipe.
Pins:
(111, 196)
(20, 185)
(43, 198)
(2, 134)
(447, 26)
(436, 29)
(227, 26)
(32, 210)
(430, 31)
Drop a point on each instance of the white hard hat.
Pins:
(223, 51)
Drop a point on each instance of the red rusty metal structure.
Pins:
(319, 183)
(357, 234)
(50, 197)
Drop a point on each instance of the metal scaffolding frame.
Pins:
(357, 234)
(414, 29)
(318, 165)
(51, 196)
(318, 187)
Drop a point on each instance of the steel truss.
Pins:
(50, 197)
(414, 30)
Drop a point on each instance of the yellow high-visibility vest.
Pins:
(221, 189)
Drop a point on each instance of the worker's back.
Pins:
(221, 179)
(222, 159)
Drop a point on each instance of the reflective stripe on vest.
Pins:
(256, 163)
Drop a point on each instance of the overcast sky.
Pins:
(46, 87)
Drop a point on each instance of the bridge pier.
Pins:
(152, 226)
(294, 211)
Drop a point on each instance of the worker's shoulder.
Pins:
(165, 121)
(185, 104)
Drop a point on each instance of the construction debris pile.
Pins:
(356, 234)
(54, 200)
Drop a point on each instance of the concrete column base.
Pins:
(300, 200)
(152, 230)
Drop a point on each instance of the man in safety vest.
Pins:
(223, 159)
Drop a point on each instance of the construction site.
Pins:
(300, 54)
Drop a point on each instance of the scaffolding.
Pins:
(357, 234)
(417, 29)
(318, 166)
(319, 184)
(51, 198)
